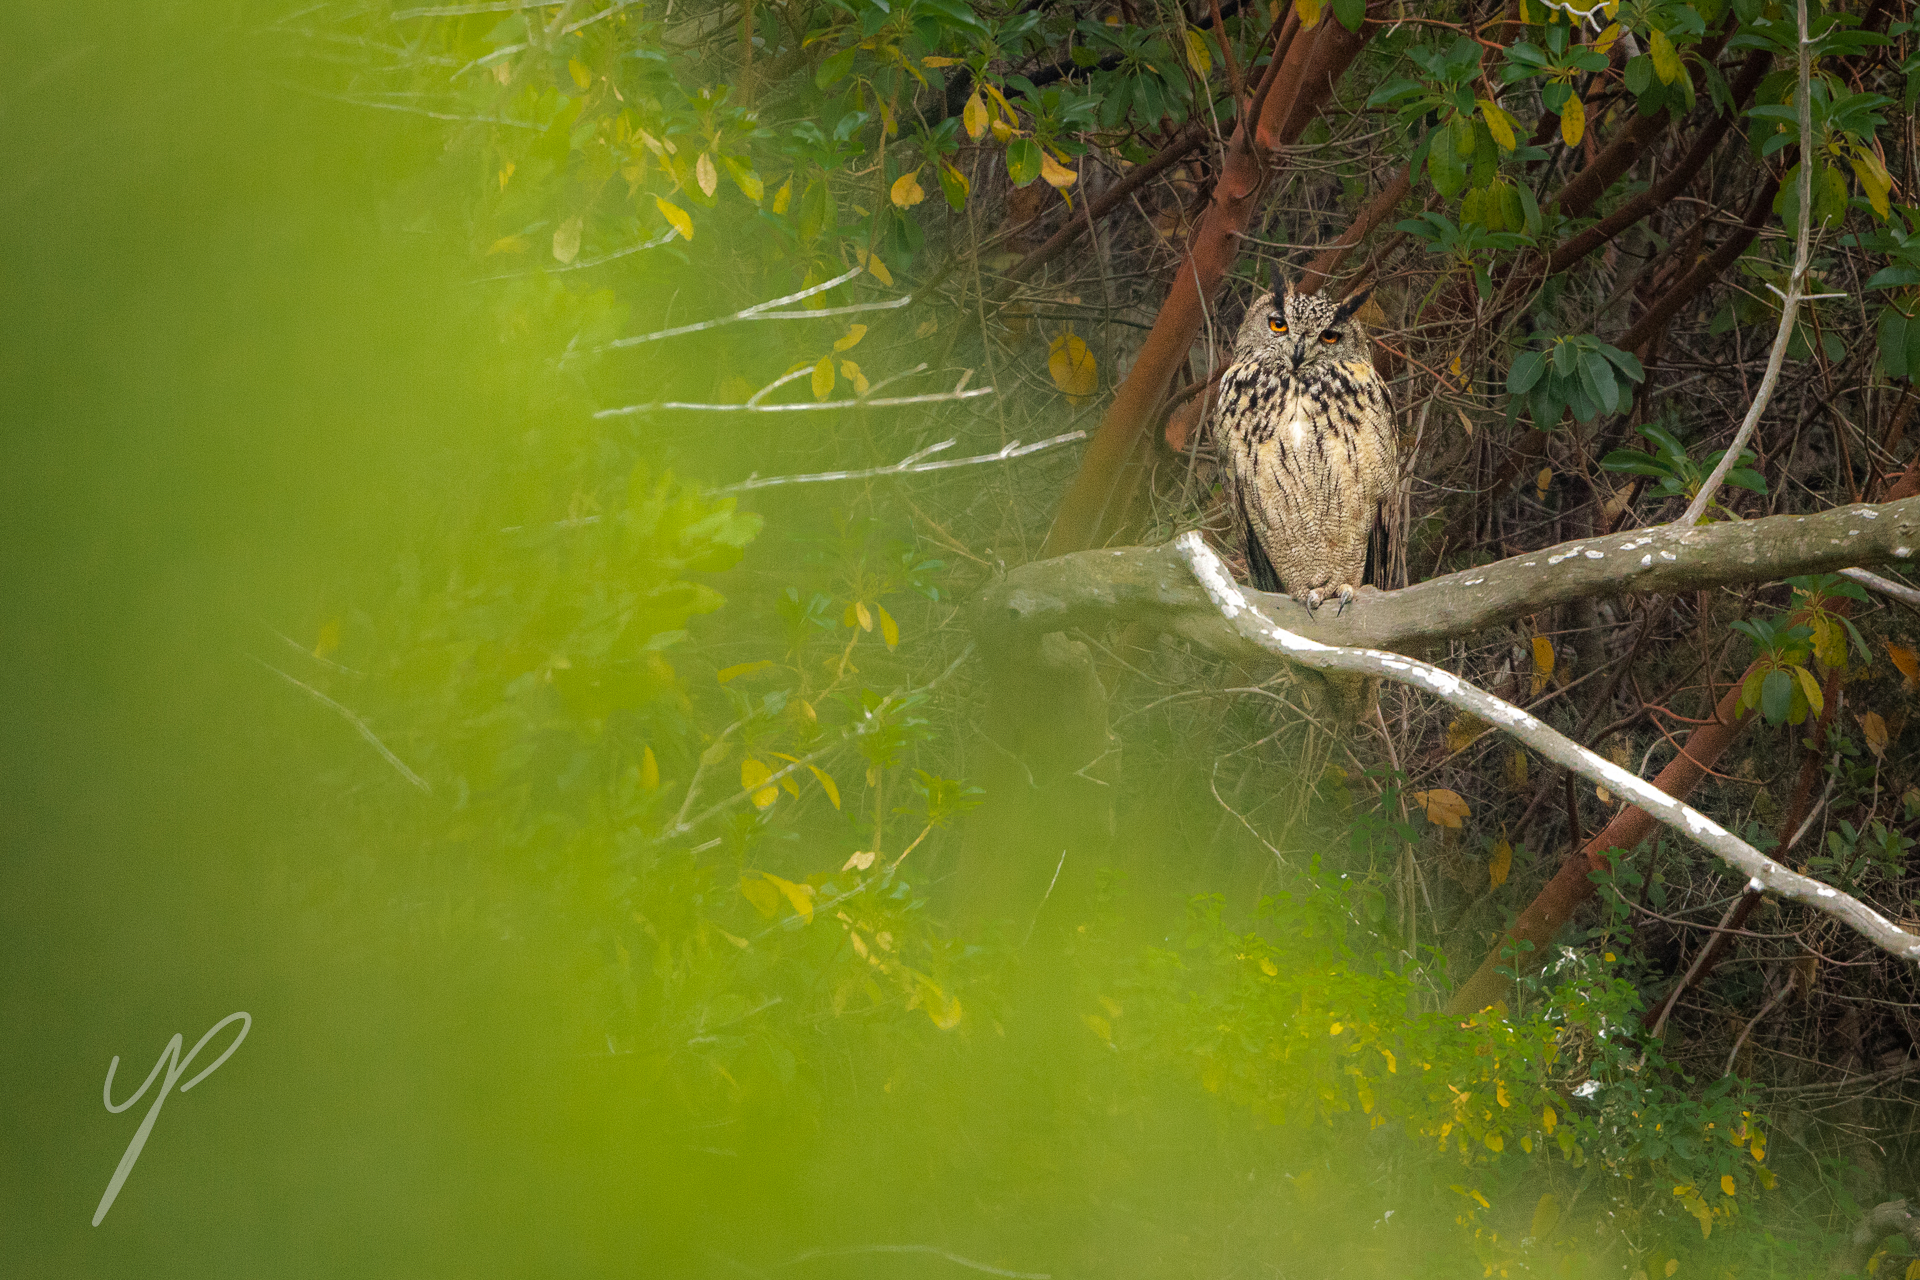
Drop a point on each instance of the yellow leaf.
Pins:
(739, 669)
(1497, 867)
(1335, 1029)
(1494, 1142)
(1462, 731)
(1546, 1215)
(1543, 659)
(1269, 968)
(745, 178)
(958, 179)
(1002, 131)
(1913, 1270)
(975, 116)
(1057, 175)
(783, 197)
(862, 615)
(799, 896)
(764, 897)
(566, 240)
(1393, 1064)
(706, 175)
(852, 337)
(329, 638)
(943, 1009)
(507, 244)
(752, 774)
(889, 629)
(1443, 808)
(1759, 1147)
(875, 268)
(1875, 731)
(1605, 43)
(1541, 481)
(822, 381)
(506, 172)
(941, 62)
(1000, 101)
(1666, 59)
(1874, 179)
(676, 217)
(1909, 663)
(649, 769)
(1499, 124)
(860, 861)
(578, 70)
(1810, 687)
(851, 372)
(1309, 13)
(1484, 1202)
(825, 780)
(1199, 57)
(1517, 768)
(1830, 642)
(907, 191)
(1500, 1093)
(1548, 1119)
(1573, 121)
(1099, 1026)
(1072, 366)
(1673, 1265)
(1726, 1184)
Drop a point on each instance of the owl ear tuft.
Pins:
(1287, 289)
(1346, 309)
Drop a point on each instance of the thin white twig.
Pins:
(1885, 586)
(489, 6)
(909, 465)
(582, 265)
(765, 311)
(960, 392)
(954, 1258)
(356, 722)
(1764, 874)
(1789, 301)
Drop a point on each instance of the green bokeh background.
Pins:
(242, 353)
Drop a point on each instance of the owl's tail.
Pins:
(1349, 698)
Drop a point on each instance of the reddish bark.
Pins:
(1102, 494)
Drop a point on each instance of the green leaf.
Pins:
(834, 68)
(1526, 371)
(1351, 13)
(1776, 696)
(1445, 167)
(1598, 375)
(1023, 161)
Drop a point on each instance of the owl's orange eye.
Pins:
(1330, 337)
(1276, 324)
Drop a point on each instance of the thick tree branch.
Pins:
(1095, 589)
(1764, 874)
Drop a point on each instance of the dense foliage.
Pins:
(814, 831)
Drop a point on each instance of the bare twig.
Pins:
(765, 311)
(909, 465)
(354, 720)
(1789, 301)
(1885, 586)
(1763, 872)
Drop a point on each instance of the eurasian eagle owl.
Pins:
(1307, 433)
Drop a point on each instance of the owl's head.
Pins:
(1295, 330)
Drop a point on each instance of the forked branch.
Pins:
(1764, 874)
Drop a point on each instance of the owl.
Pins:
(1307, 433)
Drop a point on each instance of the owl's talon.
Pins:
(1312, 600)
(1346, 598)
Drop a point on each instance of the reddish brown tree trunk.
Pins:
(1102, 495)
(1564, 893)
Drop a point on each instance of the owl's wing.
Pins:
(1259, 568)
(1379, 550)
